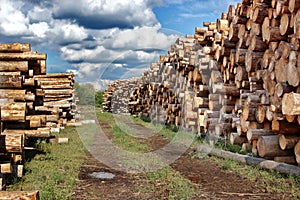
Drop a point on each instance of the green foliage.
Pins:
(98, 99)
(88, 95)
(85, 93)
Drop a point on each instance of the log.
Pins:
(259, 14)
(291, 104)
(294, 5)
(23, 56)
(5, 168)
(266, 164)
(246, 147)
(12, 143)
(284, 25)
(236, 139)
(13, 111)
(257, 44)
(254, 134)
(260, 114)
(288, 141)
(28, 195)
(286, 159)
(285, 127)
(280, 70)
(10, 81)
(297, 152)
(16, 95)
(40, 132)
(15, 47)
(14, 66)
(292, 75)
(282, 88)
(268, 146)
(253, 60)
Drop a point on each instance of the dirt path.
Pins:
(209, 180)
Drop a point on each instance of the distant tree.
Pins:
(87, 95)
(99, 98)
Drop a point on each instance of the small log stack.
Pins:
(31, 103)
(236, 78)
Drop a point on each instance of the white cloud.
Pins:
(141, 38)
(39, 29)
(39, 14)
(65, 32)
(13, 22)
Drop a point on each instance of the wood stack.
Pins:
(116, 98)
(31, 102)
(235, 78)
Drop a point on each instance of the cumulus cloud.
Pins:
(105, 14)
(141, 38)
(13, 21)
(100, 39)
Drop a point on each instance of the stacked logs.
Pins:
(236, 78)
(116, 97)
(32, 103)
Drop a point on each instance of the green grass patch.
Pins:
(168, 132)
(167, 183)
(54, 172)
(127, 142)
(272, 181)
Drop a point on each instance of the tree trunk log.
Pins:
(291, 104)
(288, 141)
(268, 146)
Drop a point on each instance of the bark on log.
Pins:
(288, 141)
(10, 81)
(236, 139)
(254, 134)
(266, 164)
(286, 159)
(23, 56)
(40, 132)
(28, 195)
(12, 143)
(15, 47)
(268, 146)
(14, 66)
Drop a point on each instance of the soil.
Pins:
(209, 179)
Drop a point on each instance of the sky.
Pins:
(103, 40)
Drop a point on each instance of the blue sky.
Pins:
(103, 40)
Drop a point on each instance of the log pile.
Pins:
(32, 103)
(237, 79)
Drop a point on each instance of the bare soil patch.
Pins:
(210, 180)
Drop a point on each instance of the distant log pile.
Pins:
(32, 103)
(236, 78)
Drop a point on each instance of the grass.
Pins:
(54, 171)
(272, 181)
(168, 132)
(168, 183)
(163, 183)
(127, 142)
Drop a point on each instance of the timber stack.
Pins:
(235, 79)
(32, 103)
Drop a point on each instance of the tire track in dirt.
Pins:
(209, 180)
